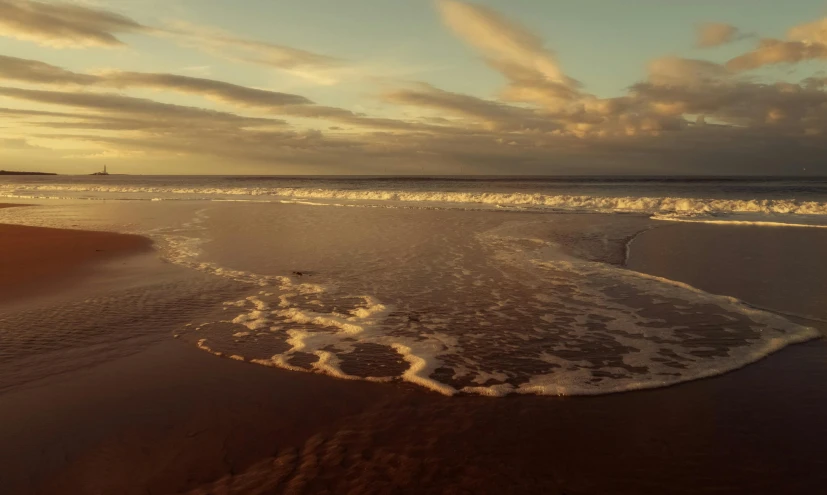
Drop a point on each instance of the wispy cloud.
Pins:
(319, 68)
(521, 56)
(67, 25)
(679, 71)
(507, 45)
(275, 103)
(771, 52)
(120, 106)
(491, 114)
(211, 88)
(19, 69)
(63, 25)
(32, 71)
(810, 32)
(804, 42)
(711, 34)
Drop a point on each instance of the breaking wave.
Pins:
(682, 206)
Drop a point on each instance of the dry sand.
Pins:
(172, 419)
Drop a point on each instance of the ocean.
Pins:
(487, 286)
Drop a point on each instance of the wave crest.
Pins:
(684, 206)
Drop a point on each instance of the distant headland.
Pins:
(11, 172)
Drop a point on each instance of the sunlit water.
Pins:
(477, 287)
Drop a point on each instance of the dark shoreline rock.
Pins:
(9, 172)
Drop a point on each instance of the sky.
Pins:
(414, 87)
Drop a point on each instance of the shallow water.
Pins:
(454, 300)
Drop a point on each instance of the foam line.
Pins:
(651, 205)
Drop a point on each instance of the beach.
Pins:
(171, 420)
(36, 260)
(450, 247)
(138, 408)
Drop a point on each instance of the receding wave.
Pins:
(479, 304)
(488, 317)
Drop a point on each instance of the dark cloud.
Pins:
(797, 109)
(19, 69)
(496, 115)
(695, 150)
(218, 90)
(121, 105)
(32, 71)
(348, 117)
(61, 24)
(16, 112)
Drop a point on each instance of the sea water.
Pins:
(459, 285)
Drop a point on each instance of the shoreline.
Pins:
(790, 260)
(174, 419)
(37, 261)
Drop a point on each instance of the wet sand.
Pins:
(172, 419)
(35, 260)
(780, 268)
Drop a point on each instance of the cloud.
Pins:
(16, 144)
(19, 69)
(683, 71)
(812, 32)
(63, 25)
(686, 115)
(679, 95)
(363, 122)
(804, 42)
(784, 108)
(32, 71)
(508, 47)
(151, 112)
(712, 34)
(218, 90)
(275, 103)
(66, 25)
(501, 40)
(493, 114)
(535, 78)
(316, 67)
(25, 113)
(772, 51)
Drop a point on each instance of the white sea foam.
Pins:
(796, 221)
(551, 325)
(647, 341)
(575, 335)
(682, 206)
